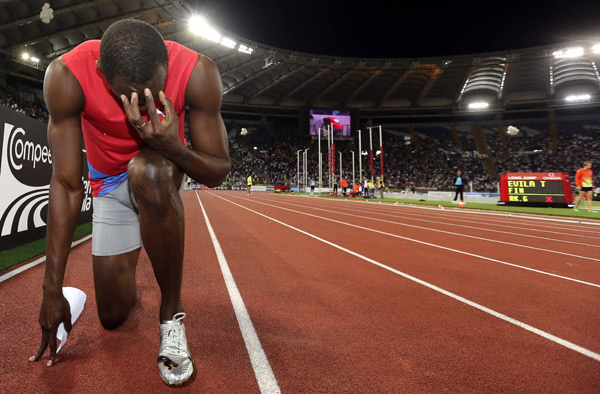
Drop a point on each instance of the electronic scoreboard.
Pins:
(542, 189)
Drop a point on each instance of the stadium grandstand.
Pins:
(411, 292)
(447, 112)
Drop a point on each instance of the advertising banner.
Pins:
(25, 171)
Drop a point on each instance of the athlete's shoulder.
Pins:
(178, 52)
(204, 88)
(62, 92)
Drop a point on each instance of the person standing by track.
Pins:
(584, 182)
(249, 182)
(380, 186)
(127, 94)
(459, 185)
(344, 184)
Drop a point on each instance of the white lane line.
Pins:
(463, 212)
(428, 244)
(537, 331)
(267, 382)
(574, 225)
(448, 221)
(451, 232)
(37, 261)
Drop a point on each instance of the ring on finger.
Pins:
(139, 126)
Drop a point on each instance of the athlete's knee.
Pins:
(112, 320)
(152, 177)
(114, 310)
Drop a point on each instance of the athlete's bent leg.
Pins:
(114, 282)
(154, 182)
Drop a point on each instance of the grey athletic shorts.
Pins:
(116, 224)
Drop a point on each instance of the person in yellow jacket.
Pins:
(583, 180)
(249, 183)
(380, 186)
(371, 189)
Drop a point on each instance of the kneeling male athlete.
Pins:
(107, 89)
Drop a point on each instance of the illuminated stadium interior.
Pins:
(542, 90)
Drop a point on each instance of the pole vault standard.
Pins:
(298, 169)
(359, 156)
(340, 168)
(332, 154)
(381, 152)
(371, 150)
(328, 159)
(305, 168)
(320, 163)
(353, 181)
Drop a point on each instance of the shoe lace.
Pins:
(173, 335)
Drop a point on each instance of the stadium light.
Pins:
(245, 49)
(568, 53)
(578, 98)
(228, 42)
(596, 48)
(199, 26)
(35, 59)
(25, 56)
(478, 105)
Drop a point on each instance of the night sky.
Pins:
(417, 28)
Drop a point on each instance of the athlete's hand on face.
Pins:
(161, 135)
(55, 310)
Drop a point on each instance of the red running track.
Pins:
(417, 301)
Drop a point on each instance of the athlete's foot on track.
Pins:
(175, 363)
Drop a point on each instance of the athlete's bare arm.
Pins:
(208, 162)
(65, 100)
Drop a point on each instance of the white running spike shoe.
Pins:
(175, 363)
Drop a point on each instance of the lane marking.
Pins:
(428, 244)
(455, 211)
(37, 261)
(459, 211)
(534, 330)
(454, 233)
(393, 215)
(267, 382)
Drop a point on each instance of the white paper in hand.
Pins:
(76, 299)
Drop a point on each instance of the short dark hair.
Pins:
(133, 49)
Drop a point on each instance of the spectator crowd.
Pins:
(32, 107)
(273, 159)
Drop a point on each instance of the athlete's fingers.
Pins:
(168, 104)
(136, 116)
(128, 106)
(137, 121)
(68, 324)
(52, 343)
(151, 107)
(42, 347)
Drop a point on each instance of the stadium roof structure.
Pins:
(260, 76)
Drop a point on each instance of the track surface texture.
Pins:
(338, 296)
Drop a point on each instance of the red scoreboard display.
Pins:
(542, 189)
